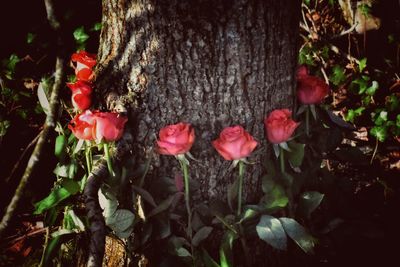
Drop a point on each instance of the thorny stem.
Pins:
(240, 189)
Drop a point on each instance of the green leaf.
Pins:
(296, 154)
(271, 231)
(381, 118)
(11, 63)
(53, 199)
(379, 132)
(392, 102)
(299, 234)
(76, 220)
(71, 186)
(80, 35)
(183, 252)
(362, 64)
(30, 37)
(145, 195)
(121, 220)
(309, 201)
(248, 214)
(60, 146)
(44, 102)
(163, 206)
(338, 75)
(108, 202)
(66, 170)
(232, 193)
(372, 89)
(97, 27)
(275, 196)
(208, 261)
(54, 245)
(225, 250)
(200, 235)
(126, 233)
(4, 125)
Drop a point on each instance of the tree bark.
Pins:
(212, 63)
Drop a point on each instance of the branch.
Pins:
(93, 209)
(95, 215)
(47, 128)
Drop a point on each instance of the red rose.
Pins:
(109, 126)
(81, 94)
(175, 139)
(83, 125)
(234, 143)
(280, 126)
(310, 89)
(84, 64)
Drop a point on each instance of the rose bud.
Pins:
(279, 126)
(310, 89)
(234, 143)
(175, 139)
(81, 94)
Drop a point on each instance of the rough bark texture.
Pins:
(213, 63)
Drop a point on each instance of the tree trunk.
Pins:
(212, 63)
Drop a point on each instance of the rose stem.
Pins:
(308, 121)
(108, 158)
(240, 189)
(187, 202)
(282, 159)
(88, 157)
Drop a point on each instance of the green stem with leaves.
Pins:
(240, 189)
(282, 159)
(185, 170)
(88, 157)
(108, 158)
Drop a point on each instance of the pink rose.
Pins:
(280, 126)
(109, 126)
(81, 94)
(234, 143)
(83, 125)
(175, 139)
(84, 64)
(310, 89)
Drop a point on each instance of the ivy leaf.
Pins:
(379, 132)
(309, 201)
(381, 118)
(372, 89)
(392, 102)
(353, 114)
(80, 35)
(338, 75)
(271, 231)
(362, 64)
(299, 234)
